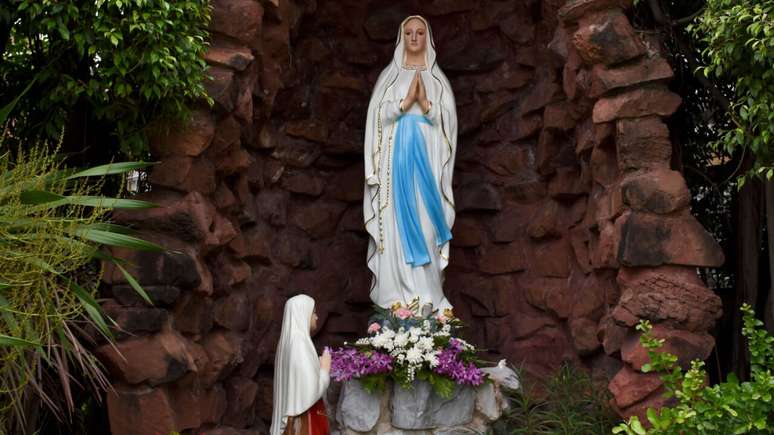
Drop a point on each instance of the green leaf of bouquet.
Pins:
(110, 169)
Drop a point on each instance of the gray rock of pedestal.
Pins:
(357, 408)
(420, 408)
(486, 401)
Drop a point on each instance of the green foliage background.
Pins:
(120, 66)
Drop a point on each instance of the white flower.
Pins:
(401, 339)
(426, 325)
(432, 359)
(401, 357)
(362, 341)
(387, 332)
(425, 343)
(446, 328)
(414, 356)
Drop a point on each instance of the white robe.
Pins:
(299, 381)
(394, 279)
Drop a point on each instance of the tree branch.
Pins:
(664, 20)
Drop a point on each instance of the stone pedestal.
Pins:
(418, 410)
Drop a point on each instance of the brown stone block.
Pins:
(669, 295)
(607, 38)
(239, 19)
(548, 294)
(647, 69)
(195, 406)
(558, 116)
(467, 233)
(296, 152)
(309, 129)
(643, 143)
(271, 205)
(294, 249)
(318, 219)
(478, 196)
(542, 353)
(156, 359)
(611, 334)
(347, 185)
(505, 76)
(631, 386)
(568, 183)
(134, 319)
(638, 102)
(233, 312)
(686, 345)
(189, 138)
(160, 295)
(193, 314)
(604, 165)
(584, 336)
(502, 258)
(241, 394)
(228, 272)
(545, 223)
(573, 10)
(220, 86)
(257, 240)
(659, 191)
(512, 126)
(185, 174)
(224, 352)
(139, 411)
(235, 57)
(551, 258)
(652, 240)
(605, 247)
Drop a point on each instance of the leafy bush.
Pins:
(571, 403)
(731, 407)
(739, 39)
(124, 63)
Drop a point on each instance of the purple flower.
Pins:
(349, 363)
(450, 365)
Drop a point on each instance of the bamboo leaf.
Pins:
(7, 340)
(31, 197)
(38, 197)
(116, 239)
(92, 308)
(8, 108)
(109, 169)
(135, 285)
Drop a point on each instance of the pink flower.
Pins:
(403, 313)
(440, 318)
(374, 327)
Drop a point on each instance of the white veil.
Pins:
(298, 381)
(440, 93)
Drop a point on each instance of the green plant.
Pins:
(51, 230)
(739, 40)
(122, 63)
(730, 407)
(570, 403)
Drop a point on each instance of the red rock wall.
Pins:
(571, 225)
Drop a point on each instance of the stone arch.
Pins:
(571, 224)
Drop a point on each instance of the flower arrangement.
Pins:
(405, 343)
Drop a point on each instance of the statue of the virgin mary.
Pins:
(410, 144)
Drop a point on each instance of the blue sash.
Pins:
(411, 170)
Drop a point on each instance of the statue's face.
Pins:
(313, 321)
(415, 36)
